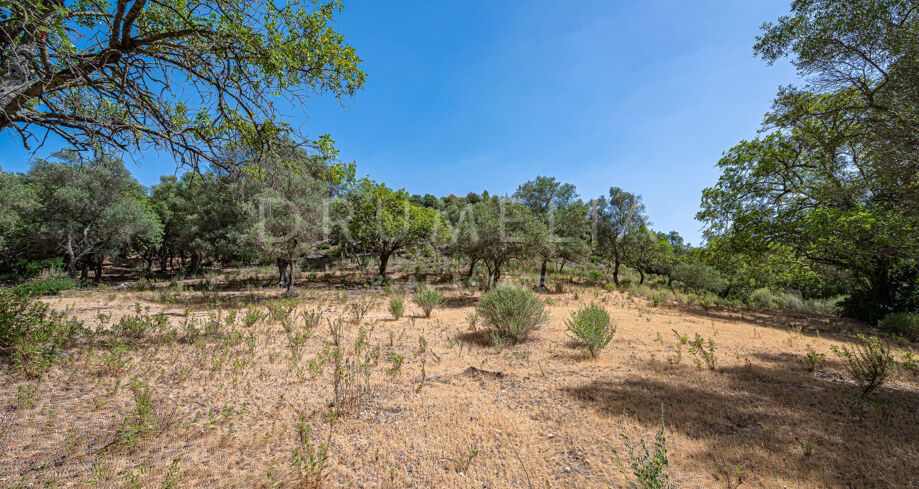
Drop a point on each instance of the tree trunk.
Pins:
(384, 261)
(291, 292)
(542, 275)
(616, 273)
(84, 270)
(641, 274)
(283, 272)
(97, 272)
(471, 268)
(71, 260)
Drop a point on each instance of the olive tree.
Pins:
(89, 209)
(564, 220)
(384, 221)
(614, 217)
(283, 214)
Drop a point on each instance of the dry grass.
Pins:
(229, 405)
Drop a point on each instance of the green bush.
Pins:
(427, 299)
(699, 276)
(905, 324)
(764, 299)
(512, 312)
(396, 306)
(45, 286)
(649, 467)
(591, 325)
(868, 363)
(31, 334)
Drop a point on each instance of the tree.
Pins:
(88, 208)
(17, 200)
(384, 221)
(615, 217)
(188, 77)
(646, 251)
(554, 206)
(283, 213)
(497, 230)
(833, 176)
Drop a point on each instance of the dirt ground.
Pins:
(537, 414)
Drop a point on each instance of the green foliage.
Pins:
(764, 299)
(648, 466)
(699, 276)
(45, 286)
(396, 306)
(31, 334)
(309, 457)
(592, 326)
(905, 324)
(287, 49)
(384, 221)
(90, 209)
(511, 312)
(869, 363)
(427, 299)
(830, 183)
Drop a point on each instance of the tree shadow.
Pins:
(765, 415)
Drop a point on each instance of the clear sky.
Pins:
(469, 95)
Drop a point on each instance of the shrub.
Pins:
(45, 286)
(649, 467)
(396, 306)
(427, 299)
(699, 276)
(905, 324)
(31, 333)
(868, 363)
(764, 299)
(511, 311)
(591, 325)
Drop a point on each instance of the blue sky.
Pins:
(465, 96)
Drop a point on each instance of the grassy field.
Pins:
(228, 387)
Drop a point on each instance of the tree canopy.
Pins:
(187, 77)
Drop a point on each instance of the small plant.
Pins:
(511, 312)
(252, 316)
(905, 324)
(591, 325)
(704, 351)
(868, 363)
(427, 299)
(309, 458)
(649, 467)
(360, 307)
(396, 306)
(813, 359)
(396, 361)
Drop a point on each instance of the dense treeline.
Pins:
(282, 208)
(824, 202)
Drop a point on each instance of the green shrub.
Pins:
(699, 276)
(32, 334)
(648, 467)
(396, 306)
(591, 325)
(905, 324)
(427, 299)
(512, 312)
(764, 299)
(46, 286)
(868, 363)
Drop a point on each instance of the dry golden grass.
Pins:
(228, 409)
